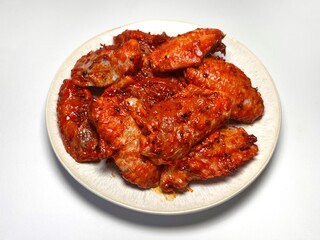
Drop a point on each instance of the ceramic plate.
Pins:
(104, 180)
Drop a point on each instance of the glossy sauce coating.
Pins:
(178, 123)
(119, 130)
(185, 50)
(221, 76)
(221, 153)
(106, 65)
(79, 136)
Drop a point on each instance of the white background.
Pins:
(40, 200)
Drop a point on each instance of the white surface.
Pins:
(40, 200)
(105, 182)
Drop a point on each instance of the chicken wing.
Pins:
(108, 117)
(106, 65)
(134, 167)
(121, 133)
(185, 50)
(218, 75)
(148, 42)
(150, 90)
(79, 137)
(139, 94)
(221, 153)
(178, 123)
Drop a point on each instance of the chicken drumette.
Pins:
(221, 153)
(121, 133)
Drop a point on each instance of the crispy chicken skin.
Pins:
(222, 76)
(79, 137)
(107, 64)
(185, 50)
(178, 123)
(121, 133)
(222, 152)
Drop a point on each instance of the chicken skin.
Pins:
(108, 118)
(148, 42)
(218, 75)
(221, 153)
(185, 50)
(178, 123)
(106, 65)
(134, 167)
(139, 94)
(79, 137)
(150, 90)
(119, 130)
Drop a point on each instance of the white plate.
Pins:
(103, 179)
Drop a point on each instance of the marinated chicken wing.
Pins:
(139, 94)
(218, 75)
(222, 152)
(175, 177)
(134, 167)
(150, 90)
(106, 65)
(79, 137)
(109, 119)
(178, 123)
(185, 50)
(148, 42)
(121, 133)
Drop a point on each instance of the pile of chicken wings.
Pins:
(161, 108)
